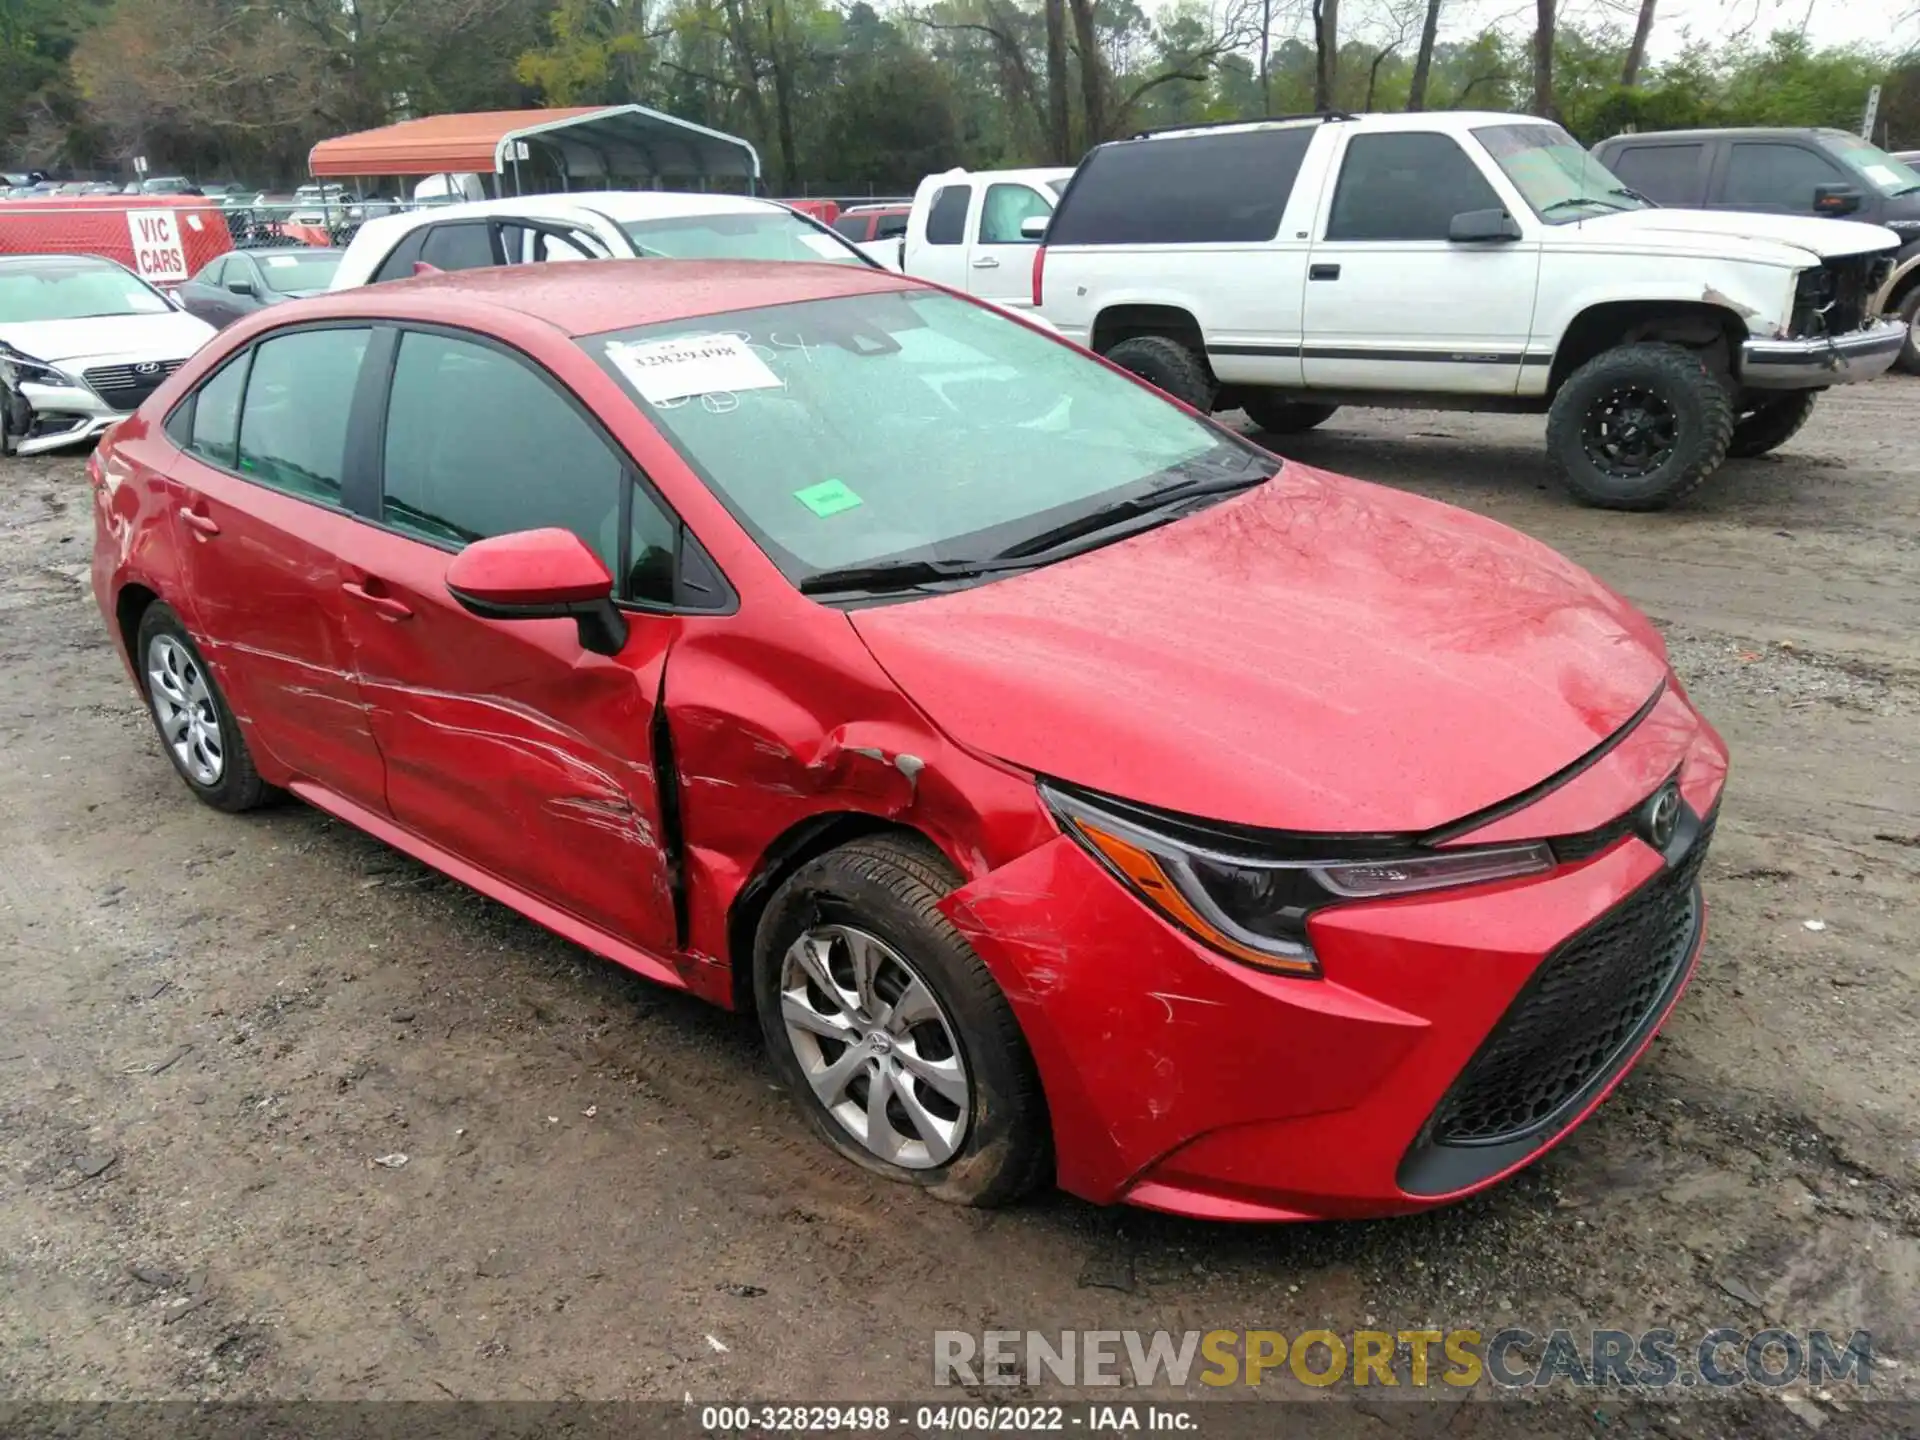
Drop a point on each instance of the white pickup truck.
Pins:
(972, 230)
(1461, 260)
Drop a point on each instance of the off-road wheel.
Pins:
(1280, 415)
(890, 1033)
(1170, 366)
(1640, 427)
(1907, 307)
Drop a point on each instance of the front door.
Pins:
(506, 743)
(260, 523)
(1001, 265)
(1391, 303)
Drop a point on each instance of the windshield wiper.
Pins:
(1633, 194)
(1108, 516)
(904, 574)
(1553, 205)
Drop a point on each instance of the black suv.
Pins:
(1786, 172)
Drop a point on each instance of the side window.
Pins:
(465, 245)
(479, 444)
(653, 540)
(1783, 176)
(854, 227)
(293, 426)
(216, 414)
(1003, 210)
(1207, 188)
(400, 262)
(947, 220)
(1665, 174)
(1405, 187)
(890, 227)
(526, 245)
(210, 275)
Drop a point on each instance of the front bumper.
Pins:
(1822, 360)
(1182, 1081)
(63, 415)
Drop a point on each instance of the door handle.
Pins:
(204, 524)
(1323, 272)
(986, 262)
(386, 605)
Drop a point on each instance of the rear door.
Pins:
(938, 252)
(1667, 172)
(260, 522)
(1000, 262)
(506, 743)
(1391, 303)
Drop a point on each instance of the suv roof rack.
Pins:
(1321, 115)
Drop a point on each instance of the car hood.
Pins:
(1319, 654)
(163, 335)
(1822, 239)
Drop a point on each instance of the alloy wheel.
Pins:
(875, 1044)
(1630, 431)
(183, 705)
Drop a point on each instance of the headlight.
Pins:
(1250, 902)
(15, 368)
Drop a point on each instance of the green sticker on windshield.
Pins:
(829, 497)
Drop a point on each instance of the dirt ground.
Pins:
(212, 1025)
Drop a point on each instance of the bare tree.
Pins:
(1326, 51)
(1637, 51)
(1423, 60)
(1543, 60)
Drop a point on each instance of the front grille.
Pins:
(123, 386)
(1586, 1003)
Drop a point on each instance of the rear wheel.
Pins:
(1639, 427)
(1280, 415)
(1169, 365)
(889, 1032)
(196, 727)
(1907, 307)
(1771, 423)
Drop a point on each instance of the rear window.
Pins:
(1193, 189)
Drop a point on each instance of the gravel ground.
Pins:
(213, 1025)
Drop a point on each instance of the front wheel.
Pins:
(895, 1041)
(1168, 365)
(1908, 309)
(1639, 427)
(1771, 424)
(1282, 416)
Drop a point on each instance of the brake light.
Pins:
(1039, 271)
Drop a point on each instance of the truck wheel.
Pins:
(1168, 365)
(1639, 427)
(1770, 424)
(1280, 415)
(1908, 309)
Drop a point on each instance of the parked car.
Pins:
(821, 642)
(969, 230)
(82, 342)
(164, 185)
(878, 231)
(586, 225)
(1466, 260)
(243, 281)
(1787, 172)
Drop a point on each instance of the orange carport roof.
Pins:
(587, 140)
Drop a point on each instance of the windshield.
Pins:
(751, 235)
(1886, 174)
(906, 426)
(1558, 178)
(73, 292)
(288, 273)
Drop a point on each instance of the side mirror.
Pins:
(1477, 226)
(242, 286)
(540, 575)
(1831, 200)
(1034, 227)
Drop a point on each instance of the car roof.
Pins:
(1746, 132)
(585, 299)
(618, 206)
(58, 261)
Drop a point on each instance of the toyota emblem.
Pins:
(1660, 817)
(147, 367)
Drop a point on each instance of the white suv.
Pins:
(1461, 260)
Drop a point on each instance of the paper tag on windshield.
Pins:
(663, 370)
(1881, 174)
(824, 245)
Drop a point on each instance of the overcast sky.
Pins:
(1827, 22)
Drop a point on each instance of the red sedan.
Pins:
(1073, 790)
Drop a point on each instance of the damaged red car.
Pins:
(1075, 791)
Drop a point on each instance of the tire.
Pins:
(1168, 365)
(212, 756)
(1639, 427)
(1771, 424)
(988, 1141)
(1908, 309)
(1281, 416)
